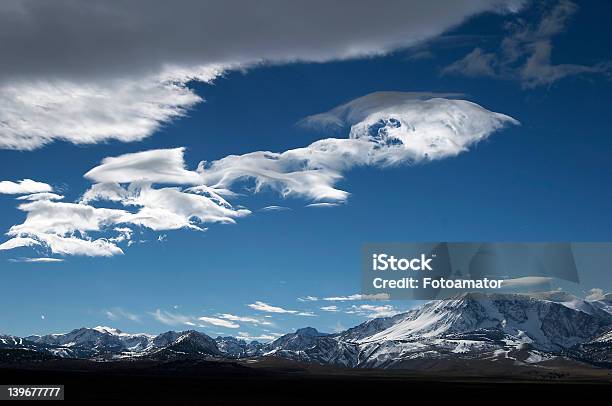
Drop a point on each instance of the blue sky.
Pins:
(546, 179)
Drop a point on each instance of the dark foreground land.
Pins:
(275, 381)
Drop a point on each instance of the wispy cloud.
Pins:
(245, 319)
(372, 311)
(275, 208)
(262, 337)
(25, 186)
(526, 281)
(526, 52)
(332, 309)
(307, 314)
(37, 260)
(173, 319)
(265, 307)
(218, 322)
(117, 313)
(41, 196)
(595, 294)
(322, 204)
(77, 96)
(385, 128)
(349, 298)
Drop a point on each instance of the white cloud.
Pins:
(167, 208)
(25, 186)
(176, 319)
(63, 228)
(373, 311)
(172, 319)
(322, 204)
(245, 319)
(331, 309)
(526, 281)
(526, 52)
(595, 294)
(78, 246)
(385, 128)
(263, 337)
(65, 218)
(37, 112)
(275, 208)
(125, 234)
(264, 307)
(154, 166)
(349, 298)
(218, 322)
(307, 314)
(41, 196)
(37, 260)
(308, 299)
(18, 242)
(118, 313)
(119, 74)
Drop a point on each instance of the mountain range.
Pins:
(511, 328)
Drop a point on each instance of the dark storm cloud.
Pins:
(75, 38)
(91, 71)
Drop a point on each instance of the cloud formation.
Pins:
(373, 311)
(34, 113)
(214, 321)
(245, 319)
(156, 191)
(595, 294)
(173, 319)
(264, 307)
(385, 128)
(87, 72)
(349, 298)
(526, 52)
(36, 260)
(262, 337)
(117, 313)
(25, 186)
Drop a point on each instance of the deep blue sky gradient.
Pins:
(546, 180)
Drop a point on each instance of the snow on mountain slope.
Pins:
(309, 345)
(188, 344)
(546, 324)
(97, 339)
(494, 327)
(8, 341)
(237, 348)
(482, 325)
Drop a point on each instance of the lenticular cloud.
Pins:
(382, 129)
(91, 71)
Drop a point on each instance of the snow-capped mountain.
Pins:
(479, 326)
(475, 325)
(309, 345)
(236, 348)
(188, 343)
(90, 342)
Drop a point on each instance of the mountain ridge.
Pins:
(477, 326)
